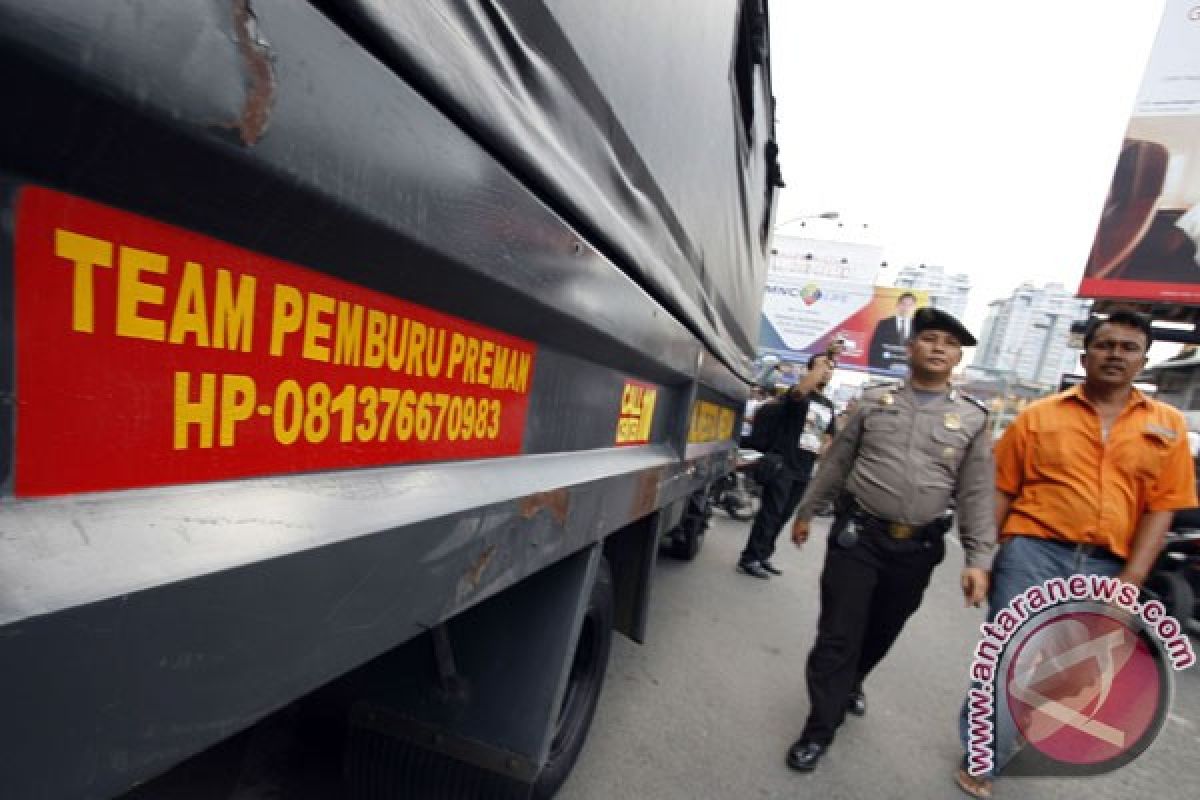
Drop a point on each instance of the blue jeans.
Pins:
(1022, 562)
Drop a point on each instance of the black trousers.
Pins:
(780, 496)
(868, 592)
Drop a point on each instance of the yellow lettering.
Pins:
(286, 315)
(86, 253)
(397, 344)
(630, 402)
(416, 349)
(238, 396)
(435, 353)
(316, 330)
(376, 349)
(510, 377)
(133, 292)
(458, 347)
(347, 341)
(523, 364)
(469, 361)
(501, 367)
(233, 318)
(485, 361)
(191, 314)
(199, 412)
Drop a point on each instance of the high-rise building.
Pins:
(946, 291)
(1027, 334)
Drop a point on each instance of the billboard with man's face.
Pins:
(1147, 245)
(871, 322)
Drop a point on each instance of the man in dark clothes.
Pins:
(790, 433)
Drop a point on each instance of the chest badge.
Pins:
(887, 400)
(953, 421)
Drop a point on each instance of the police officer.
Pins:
(892, 472)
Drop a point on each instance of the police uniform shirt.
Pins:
(904, 461)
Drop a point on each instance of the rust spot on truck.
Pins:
(259, 74)
(556, 501)
(474, 572)
(645, 497)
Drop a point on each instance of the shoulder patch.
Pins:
(876, 393)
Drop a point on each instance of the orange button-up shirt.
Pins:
(1070, 483)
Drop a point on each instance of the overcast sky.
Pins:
(980, 136)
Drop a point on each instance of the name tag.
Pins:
(1158, 430)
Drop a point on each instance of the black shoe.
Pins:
(753, 568)
(771, 568)
(856, 704)
(803, 756)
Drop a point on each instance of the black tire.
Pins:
(1173, 591)
(685, 540)
(583, 687)
(685, 545)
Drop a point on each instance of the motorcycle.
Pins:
(1175, 579)
(737, 493)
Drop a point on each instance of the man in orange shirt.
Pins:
(1087, 481)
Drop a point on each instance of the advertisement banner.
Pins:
(825, 259)
(871, 322)
(1147, 245)
(155, 355)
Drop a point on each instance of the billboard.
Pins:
(803, 316)
(1147, 244)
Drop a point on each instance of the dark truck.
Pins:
(364, 348)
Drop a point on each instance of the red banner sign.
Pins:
(150, 355)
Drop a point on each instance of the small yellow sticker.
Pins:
(637, 413)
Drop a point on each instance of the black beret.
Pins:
(934, 319)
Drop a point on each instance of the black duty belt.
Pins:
(899, 531)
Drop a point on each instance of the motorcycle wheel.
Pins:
(1173, 591)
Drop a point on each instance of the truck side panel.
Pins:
(142, 621)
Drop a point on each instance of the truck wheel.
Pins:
(685, 541)
(685, 545)
(1172, 590)
(583, 686)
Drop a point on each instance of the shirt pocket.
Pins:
(882, 433)
(1049, 449)
(1152, 451)
(881, 424)
(947, 446)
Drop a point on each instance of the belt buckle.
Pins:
(898, 530)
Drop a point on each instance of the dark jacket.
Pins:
(778, 429)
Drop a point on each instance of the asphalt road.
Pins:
(708, 707)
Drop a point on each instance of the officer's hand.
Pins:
(974, 586)
(800, 531)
